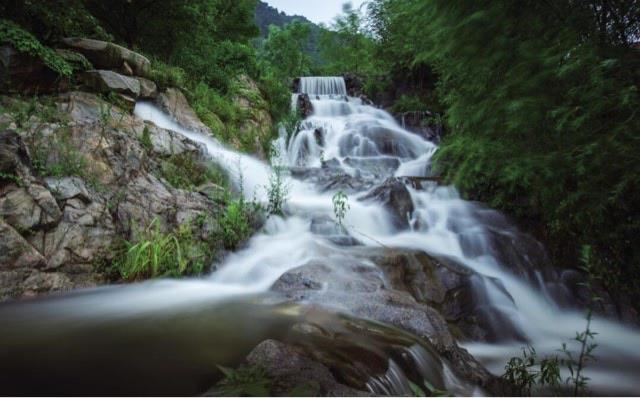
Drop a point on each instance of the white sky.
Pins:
(315, 10)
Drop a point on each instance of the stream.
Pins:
(165, 336)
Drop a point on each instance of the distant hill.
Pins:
(267, 15)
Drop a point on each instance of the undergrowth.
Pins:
(156, 254)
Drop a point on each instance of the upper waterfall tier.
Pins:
(323, 85)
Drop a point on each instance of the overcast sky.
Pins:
(315, 10)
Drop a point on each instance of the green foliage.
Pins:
(278, 189)
(145, 140)
(54, 19)
(276, 92)
(235, 224)
(25, 42)
(586, 337)
(77, 61)
(243, 382)
(528, 372)
(166, 75)
(340, 207)
(543, 115)
(284, 49)
(348, 46)
(408, 103)
(156, 254)
(16, 179)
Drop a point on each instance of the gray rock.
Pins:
(69, 239)
(393, 194)
(30, 208)
(105, 55)
(15, 252)
(175, 104)
(406, 289)
(105, 81)
(325, 226)
(68, 188)
(148, 89)
(290, 369)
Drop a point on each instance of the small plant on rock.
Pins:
(340, 207)
(278, 189)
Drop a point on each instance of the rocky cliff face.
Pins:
(80, 175)
(61, 226)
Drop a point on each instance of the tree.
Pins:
(284, 49)
(541, 100)
(347, 46)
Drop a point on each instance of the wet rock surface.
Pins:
(393, 194)
(304, 105)
(291, 370)
(404, 288)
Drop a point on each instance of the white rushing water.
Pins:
(368, 143)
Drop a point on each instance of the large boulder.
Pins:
(175, 104)
(105, 81)
(105, 55)
(395, 197)
(406, 289)
(24, 73)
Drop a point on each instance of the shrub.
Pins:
(166, 75)
(277, 190)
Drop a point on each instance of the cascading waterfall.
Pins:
(518, 303)
(334, 85)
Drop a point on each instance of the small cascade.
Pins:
(325, 85)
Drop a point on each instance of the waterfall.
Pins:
(365, 146)
(332, 85)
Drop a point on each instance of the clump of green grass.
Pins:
(235, 224)
(157, 254)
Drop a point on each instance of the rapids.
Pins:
(522, 304)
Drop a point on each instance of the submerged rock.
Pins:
(407, 289)
(292, 372)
